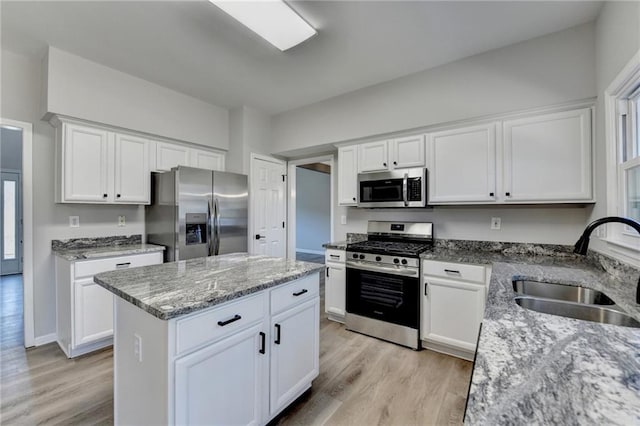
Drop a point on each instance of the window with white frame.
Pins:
(622, 101)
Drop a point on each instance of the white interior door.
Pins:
(11, 220)
(268, 207)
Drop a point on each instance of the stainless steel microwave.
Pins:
(397, 188)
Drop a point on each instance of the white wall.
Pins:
(84, 89)
(249, 131)
(617, 40)
(313, 209)
(547, 70)
(544, 71)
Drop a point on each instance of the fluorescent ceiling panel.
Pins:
(273, 20)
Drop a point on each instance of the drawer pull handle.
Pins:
(277, 341)
(263, 337)
(235, 318)
(123, 265)
(334, 256)
(452, 271)
(304, 290)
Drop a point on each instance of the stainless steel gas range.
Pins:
(383, 281)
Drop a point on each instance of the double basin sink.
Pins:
(570, 301)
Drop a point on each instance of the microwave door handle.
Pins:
(404, 189)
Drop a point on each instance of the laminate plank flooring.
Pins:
(362, 380)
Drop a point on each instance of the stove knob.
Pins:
(355, 256)
(396, 260)
(361, 256)
(404, 261)
(378, 258)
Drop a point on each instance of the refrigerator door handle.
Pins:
(216, 226)
(209, 228)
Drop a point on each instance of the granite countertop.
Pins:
(179, 288)
(534, 368)
(342, 245)
(99, 247)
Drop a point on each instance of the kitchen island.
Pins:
(230, 339)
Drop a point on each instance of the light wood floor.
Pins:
(362, 381)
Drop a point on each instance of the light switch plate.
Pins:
(74, 221)
(121, 221)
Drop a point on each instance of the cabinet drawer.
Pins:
(216, 323)
(295, 292)
(458, 271)
(87, 268)
(333, 255)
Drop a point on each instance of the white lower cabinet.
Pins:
(239, 363)
(294, 353)
(335, 285)
(452, 307)
(223, 383)
(84, 310)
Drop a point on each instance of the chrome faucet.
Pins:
(583, 243)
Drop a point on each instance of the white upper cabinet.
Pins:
(348, 175)
(407, 152)
(82, 164)
(392, 154)
(373, 157)
(547, 158)
(170, 155)
(132, 172)
(207, 160)
(462, 164)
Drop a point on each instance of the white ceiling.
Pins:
(194, 48)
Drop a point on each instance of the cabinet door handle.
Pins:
(123, 265)
(384, 164)
(263, 338)
(354, 198)
(304, 290)
(508, 194)
(452, 271)
(425, 289)
(491, 194)
(235, 318)
(327, 272)
(104, 195)
(395, 163)
(277, 341)
(117, 195)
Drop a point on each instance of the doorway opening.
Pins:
(16, 234)
(310, 207)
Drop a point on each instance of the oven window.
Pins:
(386, 297)
(381, 190)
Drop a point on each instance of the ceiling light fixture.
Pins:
(273, 20)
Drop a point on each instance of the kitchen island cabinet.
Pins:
(230, 339)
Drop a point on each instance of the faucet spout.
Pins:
(582, 245)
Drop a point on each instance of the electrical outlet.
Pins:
(137, 347)
(496, 222)
(121, 221)
(74, 221)
(343, 219)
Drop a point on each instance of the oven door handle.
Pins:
(405, 183)
(382, 269)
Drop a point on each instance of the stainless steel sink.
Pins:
(562, 292)
(601, 314)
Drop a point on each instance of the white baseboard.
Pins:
(321, 252)
(47, 338)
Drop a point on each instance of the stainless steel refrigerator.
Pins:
(197, 213)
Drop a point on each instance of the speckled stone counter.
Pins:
(95, 248)
(534, 368)
(342, 245)
(179, 288)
